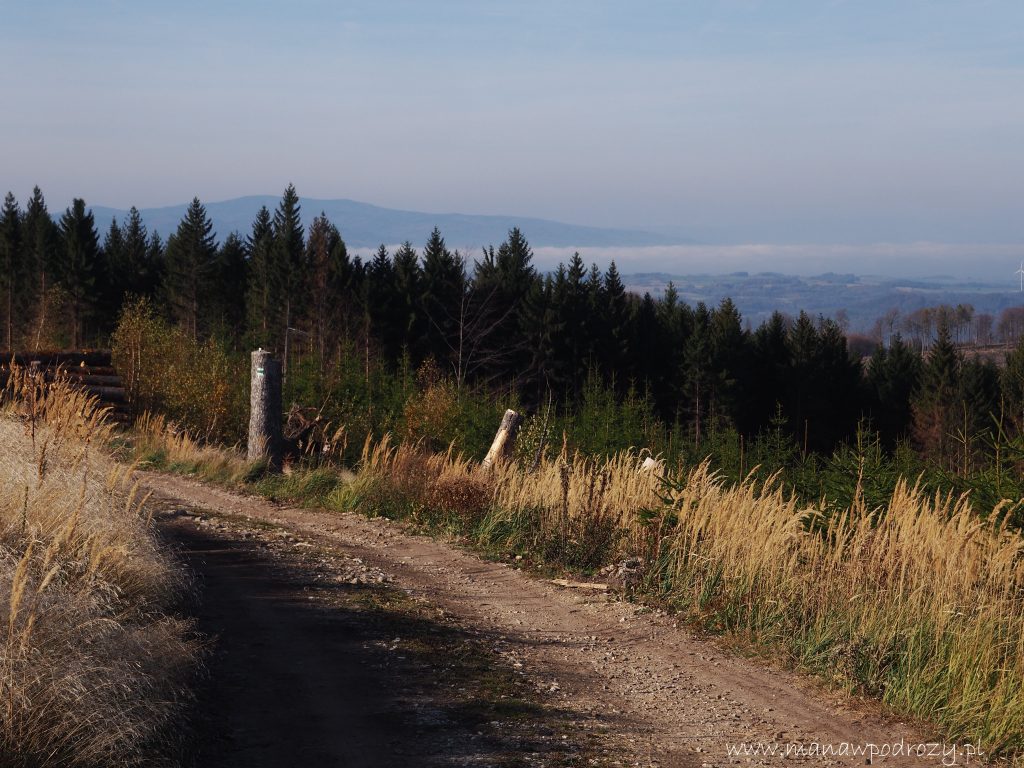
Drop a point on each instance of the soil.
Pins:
(344, 641)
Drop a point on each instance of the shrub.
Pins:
(200, 385)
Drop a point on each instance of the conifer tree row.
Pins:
(492, 320)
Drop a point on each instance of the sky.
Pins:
(723, 121)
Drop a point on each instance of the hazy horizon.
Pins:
(866, 126)
(993, 264)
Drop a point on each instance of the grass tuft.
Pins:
(94, 666)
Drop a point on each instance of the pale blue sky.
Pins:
(731, 121)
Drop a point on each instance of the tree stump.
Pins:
(504, 440)
(265, 409)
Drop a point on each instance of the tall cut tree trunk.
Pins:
(505, 440)
(265, 409)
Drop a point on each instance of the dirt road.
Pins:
(591, 680)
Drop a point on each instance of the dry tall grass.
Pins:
(159, 442)
(920, 603)
(93, 670)
(578, 511)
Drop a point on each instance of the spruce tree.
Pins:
(76, 265)
(697, 370)
(501, 282)
(40, 245)
(645, 347)
(328, 274)
(803, 379)
(485, 271)
(141, 271)
(596, 326)
(444, 283)
(156, 257)
(352, 284)
(977, 412)
(228, 304)
(823, 396)
(191, 262)
(834, 407)
(675, 321)
(288, 251)
(728, 358)
(113, 276)
(561, 374)
(571, 307)
(768, 371)
(892, 377)
(613, 347)
(408, 313)
(539, 326)
(935, 401)
(113, 243)
(262, 283)
(12, 267)
(383, 304)
(515, 263)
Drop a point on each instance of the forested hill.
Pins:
(367, 226)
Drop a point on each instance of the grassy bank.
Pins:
(917, 601)
(94, 668)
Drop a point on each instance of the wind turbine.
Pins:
(1021, 273)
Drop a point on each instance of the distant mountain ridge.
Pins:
(364, 225)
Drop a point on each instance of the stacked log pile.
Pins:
(93, 371)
